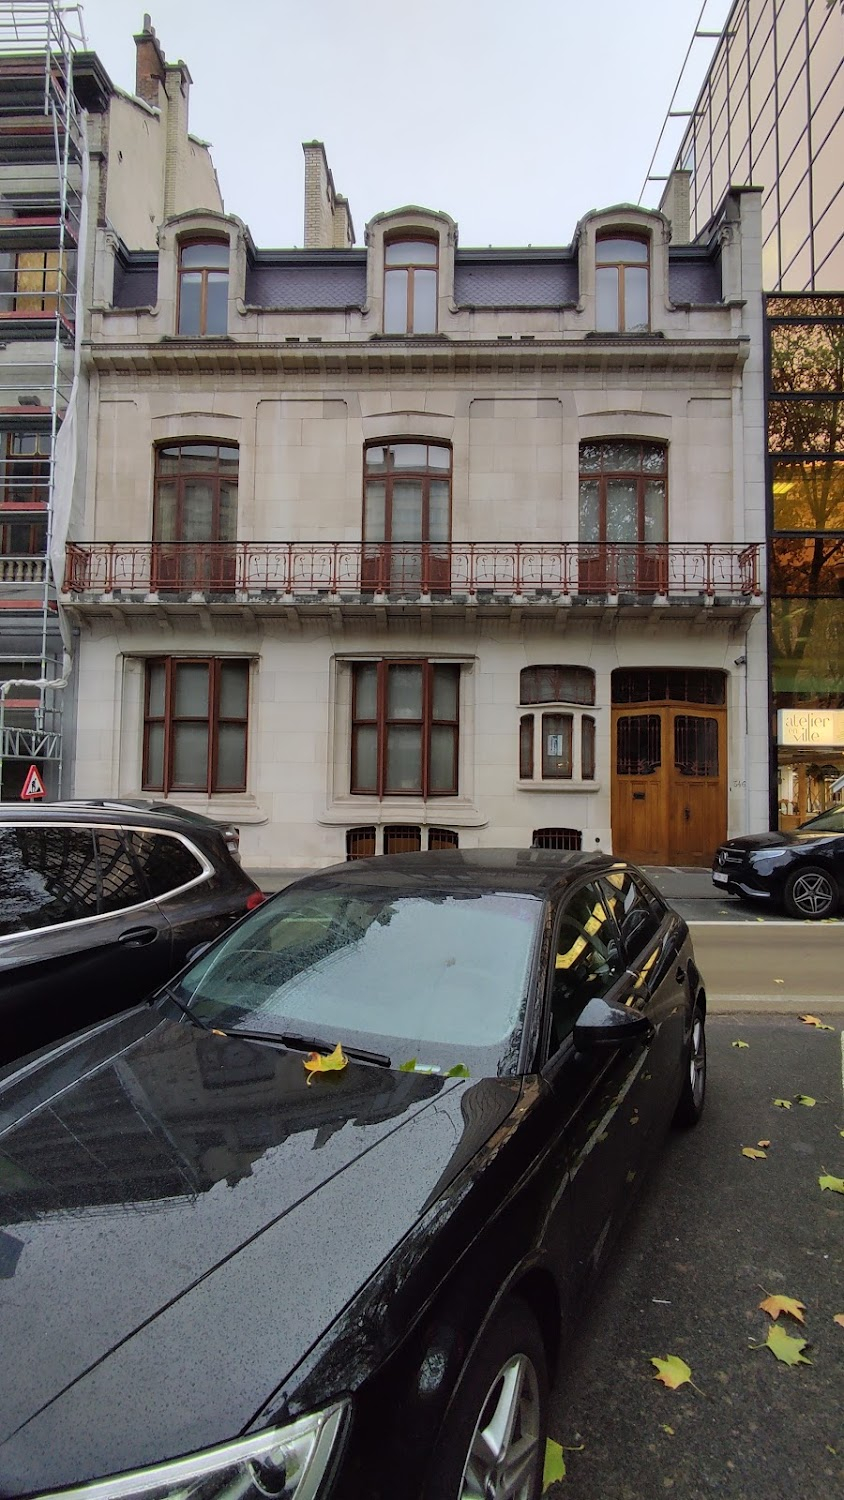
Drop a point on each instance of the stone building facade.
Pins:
(416, 546)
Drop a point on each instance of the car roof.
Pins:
(107, 813)
(535, 872)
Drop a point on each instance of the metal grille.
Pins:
(557, 838)
(442, 838)
(360, 843)
(402, 839)
(668, 684)
(639, 747)
(696, 745)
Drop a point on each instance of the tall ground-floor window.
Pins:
(195, 724)
(405, 726)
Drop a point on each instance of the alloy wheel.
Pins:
(502, 1458)
(697, 1060)
(812, 893)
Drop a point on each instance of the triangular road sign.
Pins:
(33, 786)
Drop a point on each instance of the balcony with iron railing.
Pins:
(307, 575)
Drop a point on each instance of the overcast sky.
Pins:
(515, 116)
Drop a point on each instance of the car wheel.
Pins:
(493, 1440)
(810, 893)
(693, 1093)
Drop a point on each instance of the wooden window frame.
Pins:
(411, 267)
(640, 476)
(621, 266)
(566, 720)
(529, 695)
(422, 474)
(425, 724)
(34, 493)
(169, 719)
(193, 244)
(214, 477)
(526, 748)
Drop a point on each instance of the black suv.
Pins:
(99, 906)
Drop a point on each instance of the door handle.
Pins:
(138, 937)
(687, 813)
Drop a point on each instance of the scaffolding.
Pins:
(42, 188)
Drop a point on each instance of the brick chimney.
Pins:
(676, 204)
(150, 64)
(328, 218)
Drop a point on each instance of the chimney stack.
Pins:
(150, 64)
(676, 204)
(328, 218)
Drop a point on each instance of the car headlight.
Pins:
(761, 857)
(285, 1463)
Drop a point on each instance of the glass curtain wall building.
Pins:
(806, 550)
(771, 113)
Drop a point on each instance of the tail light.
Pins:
(254, 900)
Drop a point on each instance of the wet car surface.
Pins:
(339, 1275)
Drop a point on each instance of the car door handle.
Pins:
(138, 937)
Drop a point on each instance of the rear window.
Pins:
(47, 876)
(165, 862)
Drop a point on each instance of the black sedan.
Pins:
(802, 872)
(313, 1222)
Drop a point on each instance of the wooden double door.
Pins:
(669, 789)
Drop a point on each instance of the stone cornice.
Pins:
(420, 357)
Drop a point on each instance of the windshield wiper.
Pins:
(296, 1041)
(185, 1009)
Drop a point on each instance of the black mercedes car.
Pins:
(98, 906)
(802, 872)
(313, 1222)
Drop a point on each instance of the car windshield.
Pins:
(436, 975)
(831, 821)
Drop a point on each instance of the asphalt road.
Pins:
(710, 1234)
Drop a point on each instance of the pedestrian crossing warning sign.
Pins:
(33, 785)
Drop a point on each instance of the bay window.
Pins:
(566, 736)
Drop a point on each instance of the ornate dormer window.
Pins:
(410, 272)
(623, 270)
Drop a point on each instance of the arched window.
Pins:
(407, 516)
(203, 287)
(555, 684)
(195, 502)
(622, 284)
(410, 286)
(623, 516)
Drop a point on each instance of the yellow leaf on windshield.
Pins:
(315, 1062)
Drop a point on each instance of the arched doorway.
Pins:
(669, 759)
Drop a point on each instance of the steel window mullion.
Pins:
(213, 725)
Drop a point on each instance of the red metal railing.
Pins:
(408, 570)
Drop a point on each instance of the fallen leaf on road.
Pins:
(784, 1347)
(816, 1021)
(672, 1371)
(316, 1062)
(839, 1319)
(741, 1044)
(753, 1153)
(783, 1103)
(665, 1427)
(555, 1465)
(760, 919)
(831, 1184)
(773, 1306)
(763, 1144)
(805, 1099)
(779, 981)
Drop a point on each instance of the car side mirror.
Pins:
(605, 1023)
